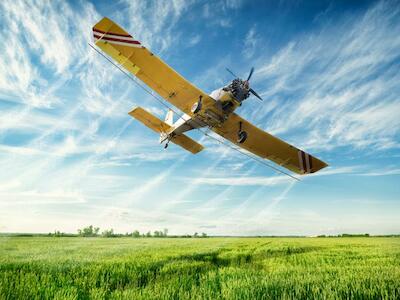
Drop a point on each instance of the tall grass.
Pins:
(214, 268)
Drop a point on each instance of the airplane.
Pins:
(215, 111)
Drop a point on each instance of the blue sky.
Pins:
(71, 156)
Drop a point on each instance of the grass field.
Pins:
(209, 268)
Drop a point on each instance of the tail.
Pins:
(161, 127)
(169, 119)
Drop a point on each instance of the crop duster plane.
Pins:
(215, 111)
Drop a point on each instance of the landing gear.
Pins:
(196, 107)
(166, 144)
(242, 135)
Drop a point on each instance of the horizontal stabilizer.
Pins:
(159, 126)
(187, 143)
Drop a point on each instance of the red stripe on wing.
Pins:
(99, 36)
(103, 32)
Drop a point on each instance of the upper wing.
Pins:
(138, 60)
(267, 146)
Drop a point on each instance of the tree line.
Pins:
(345, 235)
(91, 231)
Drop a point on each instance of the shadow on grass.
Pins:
(132, 274)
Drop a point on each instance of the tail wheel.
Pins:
(242, 136)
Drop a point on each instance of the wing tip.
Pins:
(201, 148)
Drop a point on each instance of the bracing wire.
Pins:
(178, 113)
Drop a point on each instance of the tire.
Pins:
(242, 136)
(196, 107)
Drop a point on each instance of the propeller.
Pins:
(233, 74)
(250, 74)
(248, 78)
(255, 94)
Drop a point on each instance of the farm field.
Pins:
(199, 268)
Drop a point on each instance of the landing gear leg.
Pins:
(242, 135)
(196, 107)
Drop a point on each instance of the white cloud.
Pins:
(270, 180)
(250, 43)
(58, 196)
(233, 4)
(154, 22)
(385, 172)
(66, 131)
(338, 87)
(219, 13)
(44, 30)
(243, 181)
(194, 40)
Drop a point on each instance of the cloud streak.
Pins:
(72, 155)
(337, 87)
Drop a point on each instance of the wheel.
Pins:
(196, 107)
(242, 136)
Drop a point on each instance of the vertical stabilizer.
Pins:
(169, 118)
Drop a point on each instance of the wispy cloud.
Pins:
(194, 40)
(243, 181)
(338, 87)
(73, 156)
(386, 172)
(154, 21)
(36, 29)
(38, 197)
(250, 43)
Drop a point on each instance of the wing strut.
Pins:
(202, 131)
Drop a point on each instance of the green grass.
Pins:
(212, 268)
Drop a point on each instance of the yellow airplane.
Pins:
(215, 111)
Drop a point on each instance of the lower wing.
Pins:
(267, 146)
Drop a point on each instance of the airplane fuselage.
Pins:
(225, 103)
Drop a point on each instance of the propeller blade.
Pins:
(255, 94)
(233, 74)
(251, 73)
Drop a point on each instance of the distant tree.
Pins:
(89, 231)
(148, 234)
(165, 232)
(196, 235)
(203, 234)
(108, 233)
(136, 234)
(353, 235)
